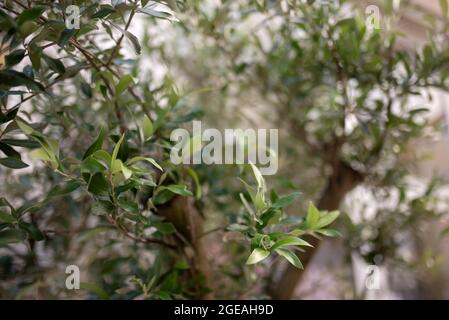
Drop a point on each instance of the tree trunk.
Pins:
(182, 212)
(342, 180)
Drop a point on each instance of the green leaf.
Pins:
(9, 151)
(86, 90)
(102, 156)
(35, 55)
(181, 265)
(13, 163)
(32, 230)
(257, 255)
(134, 41)
(127, 173)
(98, 143)
(285, 201)
(329, 232)
(21, 143)
(326, 219)
(128, 205)
(10, 115)
(28, 130)
(103, 12)
(43, 155)
(12, 78)
(124, 84)
(5, 217)
(98, 184)
(290, 257)
(150, 160)
(50, 147)
(162, 197)
(297, 232)
(178, 189)
(158, 13)
(54, 64)
(116, 149)
(248, 207)
(99, 292)
(313, 216)
(30, 14)
(147, 128)
(101, 208)
(14, 57)
(132, 38)
(65, 37)
(12, 236)
(290, 241)
(65, 189)
(165, 227)
(6, 21)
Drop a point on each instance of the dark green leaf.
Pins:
(65, 37)
(86, 89)
(13, 163)
(98, 184)
(12, 78)
(165, 227)
(98, 143)
(12, 236)
(30, 14)
(8, 151)
(10, 115)
(128, 205)
(178, 189)
(54, 64)
(65, 189)
(6, 217)
(14, 57)
(134, 41)
(31, 144)
(32, 230)
(123, 84)
(103, 12)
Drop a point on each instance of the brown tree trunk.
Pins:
(342, 180)
(182, 212)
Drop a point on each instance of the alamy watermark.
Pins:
(373, 17)
(372, 277)
(236, 146)
(72, 282)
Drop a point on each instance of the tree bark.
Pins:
(342, 180)
(182, 212)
